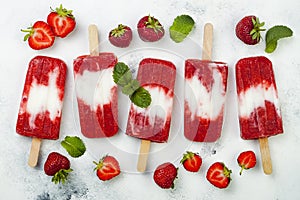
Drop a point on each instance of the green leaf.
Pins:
(181, 27)
(274, 34)
(74, 146)
(131, 87)
(141, 98)
(121, 74)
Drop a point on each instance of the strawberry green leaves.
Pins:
(274, 34)
(74, 146)
(138, 95)
(181, 27)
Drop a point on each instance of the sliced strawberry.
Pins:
(61, 21)
(40, 35)
(120, 36)
(191, 161)
(218, 175)
(107, 168)
(150, 29)
(246, 160)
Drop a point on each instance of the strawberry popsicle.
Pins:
(259, 111)
(42, 99)
(152, 124)
(96, 91)
(205, 92)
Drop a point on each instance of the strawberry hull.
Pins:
(205, 91)
(259, 111)
(96, 95)
(153, 123)
(42, 98)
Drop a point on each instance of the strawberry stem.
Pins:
(29, 32)
(119, 31)
(154, 24)
(242, 168)
(257, 28)
(63, 12)
(61, 176)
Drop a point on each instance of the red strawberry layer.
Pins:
(97, 120)
(259, 112)
(42, 124)
(153, 123)
(204, 99)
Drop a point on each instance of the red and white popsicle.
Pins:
(259, 110)
(205, 94)
(152, 124)
(96, 91)
(41, 104)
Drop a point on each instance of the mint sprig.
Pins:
(74, 146)
(274, 34)
(181, 27)
(123, 77)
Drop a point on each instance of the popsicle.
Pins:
(259, 110)
(205, 92)
(96, 91)
(41, 104)
(152, 124)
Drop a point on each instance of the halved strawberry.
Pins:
(150, 29)
(107, 168)
(39, 36)
(61, 21)
(218, 175)
(120, 36)
(191, 161)
(246, 160)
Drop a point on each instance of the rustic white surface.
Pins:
(19, 181)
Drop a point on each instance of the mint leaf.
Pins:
(141, 97)
(74, 146)
(181, 27)
(131, 87)
(121, 74)
(274, 34)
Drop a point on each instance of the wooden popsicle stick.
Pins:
(143, 156)
(207, 42)
(93, 40)
(265, 155)
(34, 152)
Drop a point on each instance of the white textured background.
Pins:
(19, 181)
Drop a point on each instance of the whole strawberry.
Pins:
(164, 175)
(246, 160)
(57, 166)
(248, 30)
(120, 36)
(107, 168)
(61, 21)
(191, 161)
(150, 29)
(39, 36)
(218, 175)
